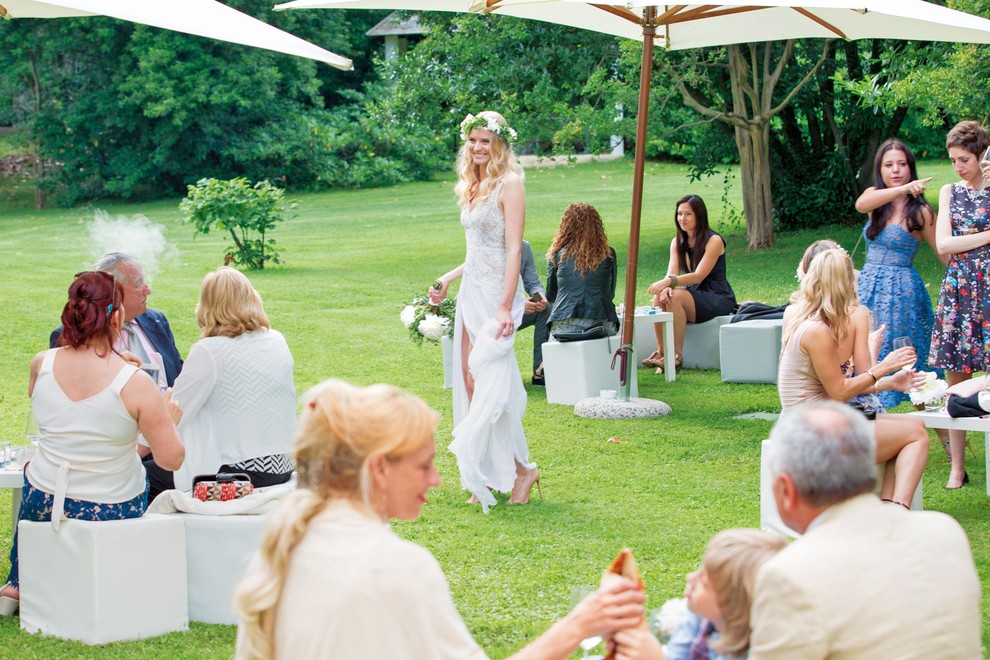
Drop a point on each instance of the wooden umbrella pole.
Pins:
(628, 357)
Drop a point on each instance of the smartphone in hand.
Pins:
(535, 297)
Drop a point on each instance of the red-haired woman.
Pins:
(89, 405)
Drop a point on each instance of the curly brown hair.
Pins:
(581, 237)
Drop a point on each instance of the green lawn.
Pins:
(353, 258)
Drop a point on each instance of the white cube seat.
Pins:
(575, 370)
(218, 549)
(106, 581)
(701, 343)
(750, 351)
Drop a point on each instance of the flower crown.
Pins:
(472, 122)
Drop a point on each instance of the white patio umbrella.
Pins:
(684, 26)
(204, 18)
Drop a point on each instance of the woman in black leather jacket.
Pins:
(581, 274)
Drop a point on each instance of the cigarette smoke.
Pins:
(135, 235)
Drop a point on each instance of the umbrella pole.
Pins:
(628, 358)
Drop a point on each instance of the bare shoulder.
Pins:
(715, 242)
(36, 362)
(512, 182)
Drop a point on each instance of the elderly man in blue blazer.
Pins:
(146, 331)
(536, 312)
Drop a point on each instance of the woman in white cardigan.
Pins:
(236, 390)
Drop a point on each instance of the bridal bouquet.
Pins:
(428, 321)
(931, 394)
(664, 621)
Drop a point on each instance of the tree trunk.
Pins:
(753, 142)
(40, 197)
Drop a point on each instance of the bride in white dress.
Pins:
(489, 398)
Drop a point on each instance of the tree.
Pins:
(539, 75)
(248, 213)
(131, 110)
(753, 100)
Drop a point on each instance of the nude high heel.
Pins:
(522, 492)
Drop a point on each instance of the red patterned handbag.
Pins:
(221, 487)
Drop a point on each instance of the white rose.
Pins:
(433, 327)
(408, 315)
(671, 615)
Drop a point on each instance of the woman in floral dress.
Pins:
(961, 336)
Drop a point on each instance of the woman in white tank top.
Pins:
(89, 404)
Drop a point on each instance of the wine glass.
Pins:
(31, 428)
(903, 342)
(577, 595)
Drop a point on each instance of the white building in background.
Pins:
(396, 32)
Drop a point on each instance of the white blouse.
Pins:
(238, 402)
(356, 590)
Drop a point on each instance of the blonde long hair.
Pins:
(341, 430)
(228, 305)
(582, 238)
(731, 562)
(827, 293)
(472, 187)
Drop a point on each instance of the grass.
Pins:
(353, 258)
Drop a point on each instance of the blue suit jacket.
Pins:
(155, 326)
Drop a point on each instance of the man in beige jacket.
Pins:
(867, 579)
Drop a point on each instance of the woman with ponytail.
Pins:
(332, 580)
(89, 405)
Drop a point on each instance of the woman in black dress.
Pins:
(695, 289)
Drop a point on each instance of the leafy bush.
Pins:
(248, 212)
(811, 196)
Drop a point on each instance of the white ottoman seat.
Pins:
(750, 351)
(701, 343)
(107, 581)
(578, 369)
(218, 549)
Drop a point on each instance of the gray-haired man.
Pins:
(866, 579)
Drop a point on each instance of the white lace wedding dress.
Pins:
(488, 433)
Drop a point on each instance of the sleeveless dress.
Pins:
(961, 336)
(797, 382)
(892, 290)
(488, 433)
(713, 296)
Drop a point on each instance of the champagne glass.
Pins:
(31, 428)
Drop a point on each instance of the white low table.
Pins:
(14, 480)
(648, 317)
(941, 420)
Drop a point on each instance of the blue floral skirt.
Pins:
(36, 505)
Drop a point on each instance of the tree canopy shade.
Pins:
(129, 110)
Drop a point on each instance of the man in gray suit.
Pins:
(536, 313)
(867, 579)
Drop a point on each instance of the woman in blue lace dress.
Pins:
(961, 337)
(888, 285)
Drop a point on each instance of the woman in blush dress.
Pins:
(825, 328)
(489, 398)
(695, 289)
(961, 336)
(888, 285)
(332, 580)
